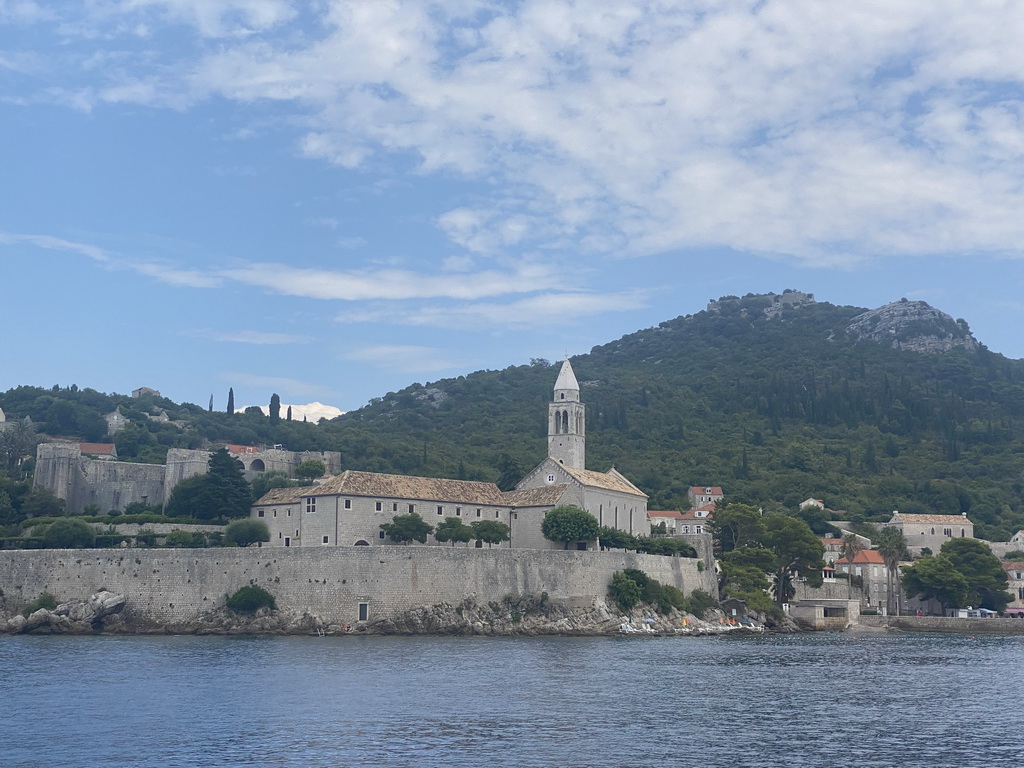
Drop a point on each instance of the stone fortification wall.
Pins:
(113, 484)
(173, 587)
(945, 624)
(182, 463)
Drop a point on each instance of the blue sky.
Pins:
(331, 200)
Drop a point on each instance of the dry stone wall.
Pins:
(172, 588)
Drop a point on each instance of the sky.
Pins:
(334, 199)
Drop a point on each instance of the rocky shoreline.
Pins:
(104, 613)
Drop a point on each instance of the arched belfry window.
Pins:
(565, 421)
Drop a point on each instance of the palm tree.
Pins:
(851, 546)
(892, 547)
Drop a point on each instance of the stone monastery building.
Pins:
(348, 509)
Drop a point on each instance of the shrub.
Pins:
(193, 539)
(700, 601)
(242, 533)
(69, 533)
(624, 590)
(45, 600)
(250, 599)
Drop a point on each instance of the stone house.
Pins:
(348, 510)
(670, 518)
(870, 566)
(1015, 586)
(702, 495)
(931, 531)
(116, 421)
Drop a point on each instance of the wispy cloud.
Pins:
(546, 309)
(406, 358)
(394, 284)
(249, 337)
(51, 243)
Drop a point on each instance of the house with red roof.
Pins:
(869, 565)
(702, 495)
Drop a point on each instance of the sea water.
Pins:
(842, 699)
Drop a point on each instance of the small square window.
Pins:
(260, 513)
(551, 478)
(348, 503)
(326, 540)
(310, 504)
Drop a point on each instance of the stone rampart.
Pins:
(172, 588)
(945, 624)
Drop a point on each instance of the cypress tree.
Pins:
(231, 400)
(275, 408)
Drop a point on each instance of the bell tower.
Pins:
(567, 421)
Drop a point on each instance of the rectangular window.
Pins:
(326, 540)
(551, 478)
(348, 503)
(364, 611)
(412, 508)
(379, 506)
(289, 513)
(947, 532)
(394, 506)
(380, 535)
(497, 513)
(275, 513)
(458, 511)
(260, 513)
(698, 529)
(686, 529)
(310, 504)
(440, 509)
(478, 513)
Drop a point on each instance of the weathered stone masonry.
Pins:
(173, 587)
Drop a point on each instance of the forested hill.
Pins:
(776, 398)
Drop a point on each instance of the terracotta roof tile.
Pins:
(283, 495)
(898, 517)
(98, 449)
(866, 556)
(612, 480)
(546, 495)
(670, 513)
(356, 483)
(700, 490)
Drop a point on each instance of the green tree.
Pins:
(893, 548)
(796, 549)
(490, 531)
(250, 599)
(510, 472)
(624, 590)
(264, 481)
(227, 471)
(69, 533)
(850, 547)
(221, 493)
(405, 528)
(454, 530)
(231, 400)
(310, 469)
(40, 502)
(736, 525)
(566, 523)
(986, 579)
(613, 538)
(935, 576)
(244, 532)
(275, 408)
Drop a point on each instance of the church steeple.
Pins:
(567, 421)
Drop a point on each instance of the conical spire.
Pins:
(566, 380)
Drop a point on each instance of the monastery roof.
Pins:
(408, 487)
(900, 517)
(566, 378)
(612, 480)
(98, 449)
(544, 496)
(869, 556)
(283, 495)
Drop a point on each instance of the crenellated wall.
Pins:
(173, 587)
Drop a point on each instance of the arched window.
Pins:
(565, 421)
(258, 465)
(362, 543)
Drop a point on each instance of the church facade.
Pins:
(348, 509)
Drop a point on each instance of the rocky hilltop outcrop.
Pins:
(914, 326)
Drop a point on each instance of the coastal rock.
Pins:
(76, 617)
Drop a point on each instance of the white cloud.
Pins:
(828, 132)
(55, 244)
(188, 278)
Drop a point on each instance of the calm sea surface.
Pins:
(810, 700)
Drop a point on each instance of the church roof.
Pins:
(566, 378)
(901, 517)
(612, 480)
(409, 487)
(536, 497)
(282, 496)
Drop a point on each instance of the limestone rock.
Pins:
(912, 325)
